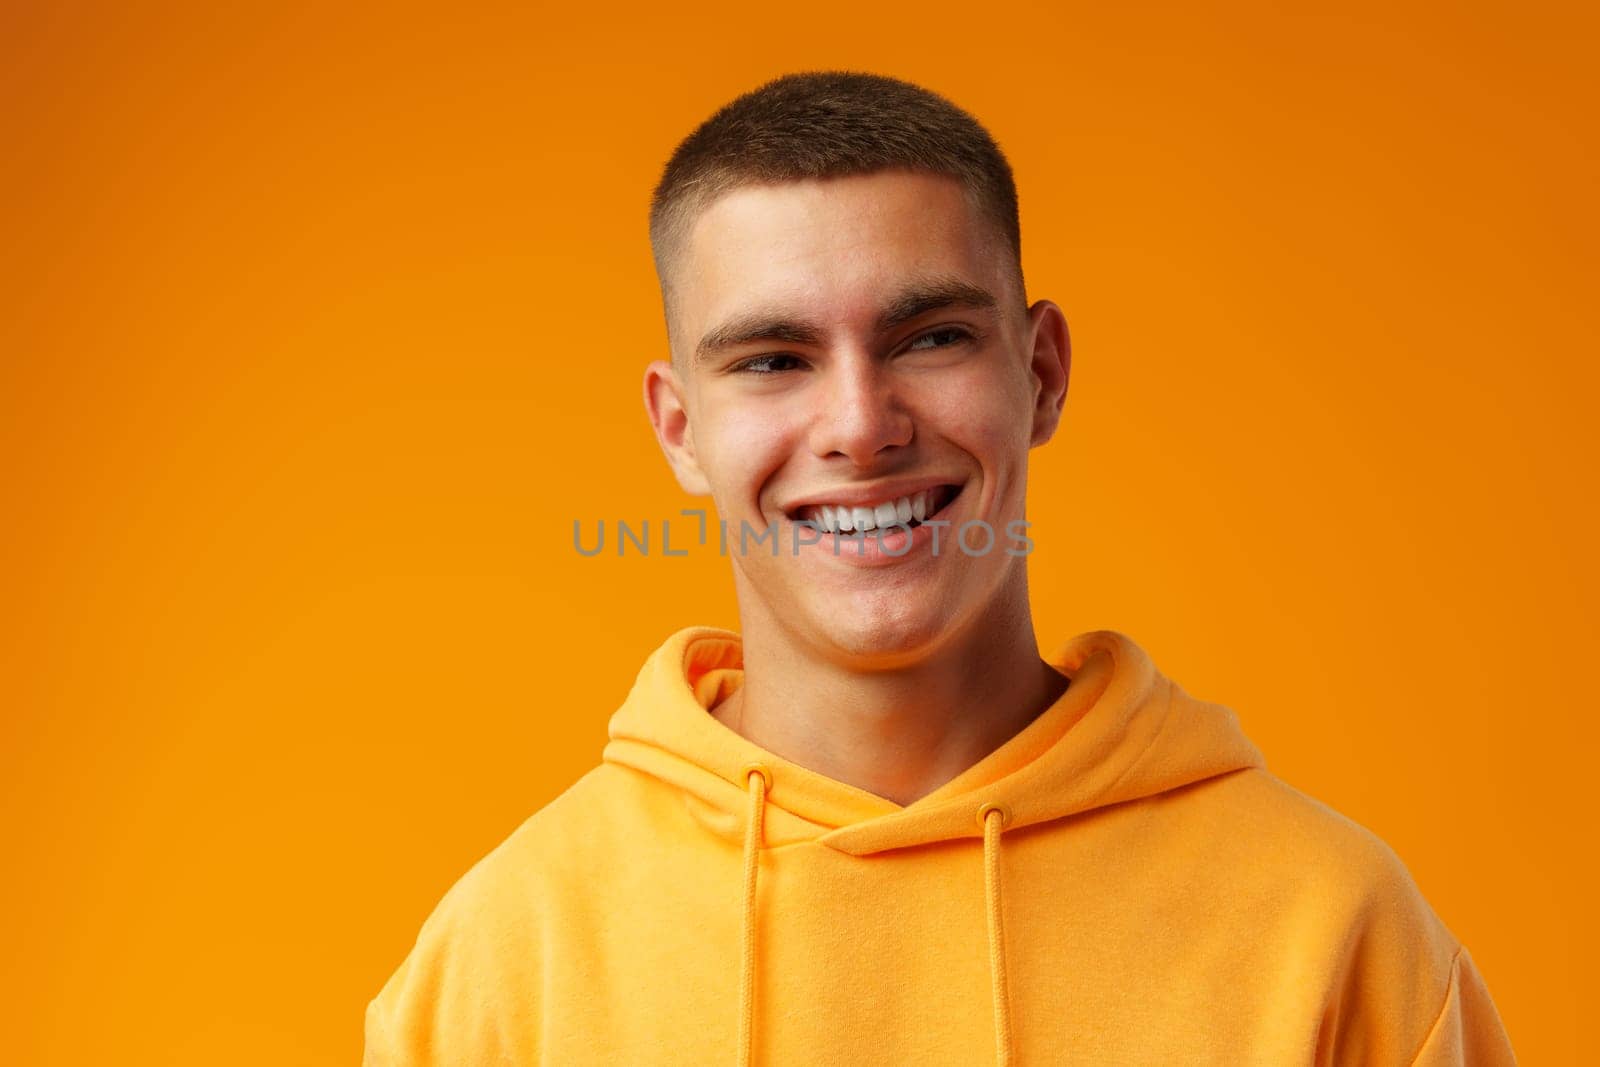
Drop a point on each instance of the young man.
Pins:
(876, 827)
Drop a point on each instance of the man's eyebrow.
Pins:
(756, 326)
(929, 296)
(916, 299)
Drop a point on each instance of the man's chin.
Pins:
(883, 639)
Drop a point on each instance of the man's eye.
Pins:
(766, 364)
(943, 337)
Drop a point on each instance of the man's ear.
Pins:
(1051, 363)
(669, 416)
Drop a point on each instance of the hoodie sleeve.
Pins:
(1468, 1029)
(1408, 993)
(466, 994)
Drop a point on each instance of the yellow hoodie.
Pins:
(1123, 882)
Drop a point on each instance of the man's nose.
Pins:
(861, 414)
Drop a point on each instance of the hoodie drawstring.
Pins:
(993, 818)
(758, 779)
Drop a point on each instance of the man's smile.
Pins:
(872, 507)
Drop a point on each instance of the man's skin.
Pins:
(890, 674)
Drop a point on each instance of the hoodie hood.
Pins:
(1121, 731)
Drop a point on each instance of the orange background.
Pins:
(321, 329)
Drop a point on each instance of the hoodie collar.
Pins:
(1122, 730)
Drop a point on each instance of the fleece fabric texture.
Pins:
(1122, 882)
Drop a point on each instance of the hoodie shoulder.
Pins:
(1389, 967)
(562, 837)
(1348, 865)
(465, 991)
(553, 850)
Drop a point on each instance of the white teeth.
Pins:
(838, 518)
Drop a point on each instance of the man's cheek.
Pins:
(753, 429)
(725, 440)
(990, 429)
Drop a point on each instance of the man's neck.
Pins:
(898, 733)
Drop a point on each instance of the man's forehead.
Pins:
(853, 246)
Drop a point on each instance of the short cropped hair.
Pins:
(825, 124)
